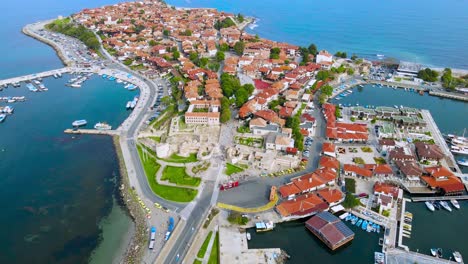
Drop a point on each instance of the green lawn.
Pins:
(178, 159)
(214, 256)
(197, 262)
(231, 169)
(156, 139)
(177, 175)
(204, 247)
(171, 193)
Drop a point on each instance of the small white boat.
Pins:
(79, 123)
(455, 203)
(463, 162)
(2, 117)
(445, 205)
(457, 256)
(434, 252)
(429, 206)
(102, 126)
(248, 236)
(75, 85)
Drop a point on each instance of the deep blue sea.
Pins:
(431, 32)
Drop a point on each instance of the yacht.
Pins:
(129, 104)
(2, 117)
(102, 126)
(434, 252)
(446, 206)
(463, 162)
(455, 203)
(8, 109)
(429, 206)
(248, 236)
(459, 150)
(31, 87)
(457, 256)
(79, 123)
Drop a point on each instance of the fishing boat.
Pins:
(430, 206)
(79, 123)
(364, 225)
(102, 126)
(8, 109)
(75, 85)
(446, 206)
(359, 222)
(264, 226)
(248, 236)
(2, 117)
(457, 256)
(439, 252)
(463, 162)
(455, 203)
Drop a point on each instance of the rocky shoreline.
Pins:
(134, 252)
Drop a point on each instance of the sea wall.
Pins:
(136, 246)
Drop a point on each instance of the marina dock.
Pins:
(93, 132)
(44, 74)
(439, 198)
(454, 96)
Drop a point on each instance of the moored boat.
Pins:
(2, 117)
(248, 236)
(79, 123)
(430, 206)
(463, 162)
(434, 252)
(457, 256)
(455, 203)
(264, 226)
(102, 126)
(439, 253)
(446, 206)
(359, 222)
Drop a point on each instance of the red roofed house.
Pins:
(304, 205)
(443, 180)
(289, 190)
(356, 171)
(331, 196)
(328, 149)
(383, 170)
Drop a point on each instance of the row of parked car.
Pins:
(307, 143)
(156, 105)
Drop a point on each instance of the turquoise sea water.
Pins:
(427, 31)
(57, 188)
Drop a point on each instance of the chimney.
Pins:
(310, 179)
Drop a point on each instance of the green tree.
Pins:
(350, 71)
(322, 75)
(187, 32)
(350, 201)
(175, 55)
(225, 111)
(239, 47)
(327, 90)
(193, 56)
(341, 54)
(219, 56)
(166, 32)
(240, 18)
(322, 98)
(447, 79)
(224, 47)
(428, 75)
(227, 22)
(312, 49)
(203, 62)
(354, 57)
(274, 53)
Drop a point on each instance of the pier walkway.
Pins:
(44, 74)
(398, 256)
(454, 96)
(439, 198)
(93, 132)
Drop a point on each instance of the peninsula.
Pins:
(233, 131)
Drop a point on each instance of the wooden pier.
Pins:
(439, 198)
(92, 132)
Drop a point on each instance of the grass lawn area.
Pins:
(350, 185)
(171, 193)
(156, 139)
(178, 159)
(197, 262)
(177, 175)
(214, 256)
(204, 247)
(358, 160)
(231, 169)
(380, 160)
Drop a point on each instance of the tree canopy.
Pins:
(327, 90)
(341, 54)
(219, 56)
(312, 49)
(322, 75)
(225, 23)
(428, 75)
(239, 47)
(274, 53)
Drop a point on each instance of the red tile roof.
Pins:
(329, 162)
(358, 170)
(289, 189)
(330, 195)
(302, 205)
(386, 188)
